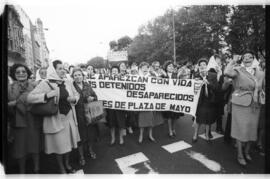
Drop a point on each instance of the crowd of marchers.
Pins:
(233, 87)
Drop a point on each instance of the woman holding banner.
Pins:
(205, 114)
(171, 116)
(247, 81)
(87, 131)
(157, 72)
(123, 72)
(132, 116)
(116, 118)
(60, 130)
(145, 118)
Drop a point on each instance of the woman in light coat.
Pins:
(60, 130)
(247, 82)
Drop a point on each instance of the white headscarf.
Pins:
(51, 73)
(212, 64)
(38, 78)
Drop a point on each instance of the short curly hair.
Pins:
(245, 52)
(203, 59)
(144, 64)
(76, 69)
(14, 68)
(116, 67)
(166, 64)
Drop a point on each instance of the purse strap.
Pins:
(55, 99)
(50, 85)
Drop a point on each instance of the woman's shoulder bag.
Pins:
(45, 109)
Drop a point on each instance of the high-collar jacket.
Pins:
(20, 114)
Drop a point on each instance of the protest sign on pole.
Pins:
(115, 56)
(138, 93)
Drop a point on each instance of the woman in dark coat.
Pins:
(227, 87)
(87, 132)
(220, 103)
(205, 113)
(171, 116)
(25, 128)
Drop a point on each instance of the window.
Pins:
(10, 45)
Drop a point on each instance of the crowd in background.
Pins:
(233, 86)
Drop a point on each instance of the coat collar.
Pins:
(250, 76)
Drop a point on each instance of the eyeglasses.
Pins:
(22, 72)
(248, 56)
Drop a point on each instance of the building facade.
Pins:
(16, 50)
(36, 47)
(26, 41)
(44, 51)
(26, 21)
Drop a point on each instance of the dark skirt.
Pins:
(219, 109)
(27, 140)
(206, 114)
(158, 118)
(171, 115)
(116, 118)
(132, 119)
(87, 133)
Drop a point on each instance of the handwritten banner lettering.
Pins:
(139, 93)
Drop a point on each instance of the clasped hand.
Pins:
(90, 99)
(71, 99)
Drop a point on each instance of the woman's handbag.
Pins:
(94, 112)
(242, 98)
(45, 109)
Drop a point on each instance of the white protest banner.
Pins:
(115, 56)
(138, 93)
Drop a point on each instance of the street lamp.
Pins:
(174, 46)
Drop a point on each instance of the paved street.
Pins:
(182, 157)
(139, 57)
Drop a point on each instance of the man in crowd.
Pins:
(156, 70)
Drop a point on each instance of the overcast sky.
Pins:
(81, 29)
